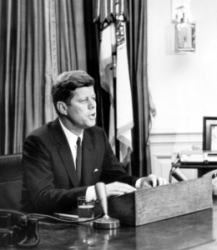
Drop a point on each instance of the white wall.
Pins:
(183, 86)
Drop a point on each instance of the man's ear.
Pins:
(62, 107)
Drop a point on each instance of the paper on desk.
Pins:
(198, 156)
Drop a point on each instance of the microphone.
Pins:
(105, 222)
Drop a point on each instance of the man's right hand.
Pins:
(118, 188)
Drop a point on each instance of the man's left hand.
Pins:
(152, 181)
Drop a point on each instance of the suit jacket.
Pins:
(50, 181)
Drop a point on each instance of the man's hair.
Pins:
(68, 82)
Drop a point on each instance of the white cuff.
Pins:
(138, 183)
(91, 193)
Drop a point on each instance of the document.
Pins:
(198, 156)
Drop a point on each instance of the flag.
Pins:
(107, 46)
(113, 42)
(123, 93)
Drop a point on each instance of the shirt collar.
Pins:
(70, 135)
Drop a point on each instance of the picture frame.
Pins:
(210, 133)
(185, 37)
(213, 137)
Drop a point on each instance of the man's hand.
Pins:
(152, 181)
(118, 188)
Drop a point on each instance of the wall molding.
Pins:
(176, 137)
(164, 145)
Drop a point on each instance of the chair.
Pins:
(10, 181)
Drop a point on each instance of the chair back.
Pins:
(10, 181)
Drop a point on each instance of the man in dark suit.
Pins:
(52, 180)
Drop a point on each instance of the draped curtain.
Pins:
(39, 40)
(137, 25)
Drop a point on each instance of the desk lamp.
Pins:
(105, 222)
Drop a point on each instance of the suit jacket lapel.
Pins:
(65, 152)
(87, 159)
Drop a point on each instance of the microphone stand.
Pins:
(105, 222)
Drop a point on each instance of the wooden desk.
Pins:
(193, 231)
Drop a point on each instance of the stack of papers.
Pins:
(198, 156)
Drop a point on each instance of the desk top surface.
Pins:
(193, 231)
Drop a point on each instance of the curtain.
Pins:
(39, 40)
(137, 25)
(13, 30)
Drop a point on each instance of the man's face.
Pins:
(81, 112)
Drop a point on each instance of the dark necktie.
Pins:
(78, 159)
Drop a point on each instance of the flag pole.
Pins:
(114, 58)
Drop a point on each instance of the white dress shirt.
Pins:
(72, 140)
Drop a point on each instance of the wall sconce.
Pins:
(184, 28)
(185, 37)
